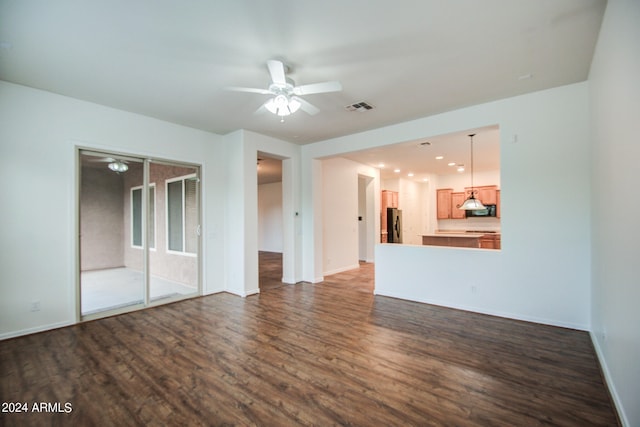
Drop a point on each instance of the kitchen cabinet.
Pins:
(490, 241)
(388, 199)
(459, 241)
(448, 200)
(487, 194)
(444, 203)
(463, 240)
(457, 199)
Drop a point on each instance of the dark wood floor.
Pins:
(270, 270)
(324, 354)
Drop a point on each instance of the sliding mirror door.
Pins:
(139, 232)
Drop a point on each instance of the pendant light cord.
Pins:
(472, 189)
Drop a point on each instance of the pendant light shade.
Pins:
(472, 204)
(282, 105)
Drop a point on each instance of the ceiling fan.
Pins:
(286, 95)
(116, 165)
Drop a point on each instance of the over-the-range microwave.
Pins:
(488, 211)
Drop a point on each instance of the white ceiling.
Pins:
(420, 157)
(173, 59)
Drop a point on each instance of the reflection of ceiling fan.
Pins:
(286, 96)
(115, 165)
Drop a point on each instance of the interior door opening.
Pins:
(270, 222)
(139, 232)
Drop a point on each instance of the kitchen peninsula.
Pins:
(463, 239)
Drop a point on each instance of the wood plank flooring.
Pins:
(323, 354)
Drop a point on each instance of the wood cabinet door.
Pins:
(389, 199)
(456, 200)
(487, 194)
(444, 203)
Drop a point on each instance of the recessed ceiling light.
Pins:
(425, 179)
(451, 164)
(396, 170)
(380, 165)
(460, 168)
(439, 157)
(410, 174)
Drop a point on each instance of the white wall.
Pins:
(242, 209)
(615, 113)
(333, 212)
(340, 213)
(543, 269)
(270, 217)
(38, 135)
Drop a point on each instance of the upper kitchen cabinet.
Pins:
(487, 194)
(457, 199)
(448, 200)
(389, 199)
(444, 203)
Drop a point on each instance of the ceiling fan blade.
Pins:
(276, 69)
(249, 89)
(102, 159)
(261, 110)
(307, 107)
(317, 88)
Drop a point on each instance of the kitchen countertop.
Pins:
(462, 233)
(454, 234)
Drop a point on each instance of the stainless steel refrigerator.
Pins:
(394, 225)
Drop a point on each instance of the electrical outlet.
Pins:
(35, 306)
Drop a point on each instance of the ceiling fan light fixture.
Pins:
(118, 166)
(285, 100)
(281, 105)
(274, 106)
(294, 105)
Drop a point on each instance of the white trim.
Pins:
(472, 309)
(40, 328)
(613, 392)
(182, 178)
(341, 269)
(155, 218)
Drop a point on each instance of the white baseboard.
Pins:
(607, 377)
(515, 316)
(34, 330)
(341, 269)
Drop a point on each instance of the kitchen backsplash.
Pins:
(484, 224)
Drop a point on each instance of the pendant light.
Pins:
(472, 204)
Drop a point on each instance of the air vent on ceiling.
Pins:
(359, 106)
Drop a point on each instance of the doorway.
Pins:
(139, 232)
(270, 222)
(366, 218)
